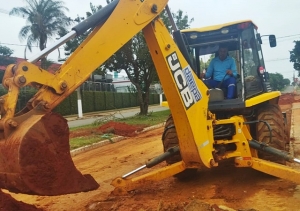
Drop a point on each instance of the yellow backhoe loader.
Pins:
(34, 146)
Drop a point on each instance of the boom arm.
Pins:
(34, 145)
(128, 18)
(187, 95)
(34, 150)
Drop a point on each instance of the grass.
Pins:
(87, 140)
(152, 118)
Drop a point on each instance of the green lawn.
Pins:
(149, 120)
(87, 140)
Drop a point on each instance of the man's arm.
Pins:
(233, 70)
(209, 70)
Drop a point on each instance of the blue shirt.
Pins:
(217, 68)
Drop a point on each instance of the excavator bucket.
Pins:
(36, 159)
(34, 143)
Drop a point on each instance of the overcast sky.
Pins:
(278, 17)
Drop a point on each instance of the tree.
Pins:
(73, 44)
(295, 56)
(286, 81)
(5, 58)
(5, 54)
(181, 21)
(45, 19)
(135, 59)
(277, 81)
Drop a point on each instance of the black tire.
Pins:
(170, 139)
(271, 113)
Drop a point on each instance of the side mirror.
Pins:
(267, 76)
(272, 41)
(259, 38)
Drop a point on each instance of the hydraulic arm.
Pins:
(34, 145)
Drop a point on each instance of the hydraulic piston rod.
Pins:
(169, 153)
(265, 148)
(96, 19)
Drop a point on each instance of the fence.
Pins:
(97, 86)
(91, 100)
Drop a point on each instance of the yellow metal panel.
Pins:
(182, 89)
(262, 98)
(240, 139)
(276, 170)
(215, 27)
(125, 185)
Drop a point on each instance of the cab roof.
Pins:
(216, 27)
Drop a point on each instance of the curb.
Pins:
(77, 151)
(96, 114)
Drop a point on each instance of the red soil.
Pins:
(288, 98)
(7, 203)
(120, 128)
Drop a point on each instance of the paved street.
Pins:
(89, 118)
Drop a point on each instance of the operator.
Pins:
(222, 72)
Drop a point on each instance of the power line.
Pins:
(16, 44)
(20, 45)
(292, 35)
(275, 60)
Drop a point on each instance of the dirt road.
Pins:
(239, 189)
(236, 188)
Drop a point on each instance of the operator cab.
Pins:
(244, 45)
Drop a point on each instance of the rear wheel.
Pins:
(271, 113)
(170, 139)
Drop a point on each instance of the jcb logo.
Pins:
(180, 80)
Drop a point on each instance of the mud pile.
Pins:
(288, 98)
(120, 128)
(8, 203)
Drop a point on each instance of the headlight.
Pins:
(224, 30)
(193, 36)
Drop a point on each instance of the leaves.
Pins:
(44, 17)
(134, 57)
(277, 81)
(295, 56)
(5, 58)
(5, 51)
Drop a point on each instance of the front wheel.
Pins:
(271, 113)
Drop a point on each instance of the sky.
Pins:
(277, 17)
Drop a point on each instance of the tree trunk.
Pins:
(144, 102)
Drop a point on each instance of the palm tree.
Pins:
(45, 19)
